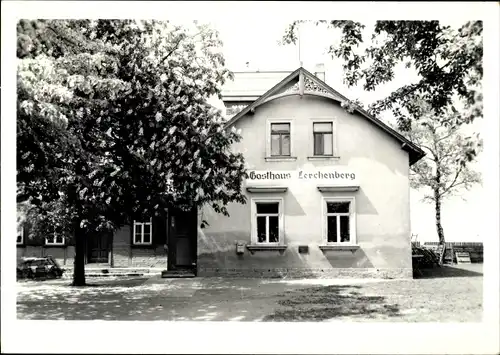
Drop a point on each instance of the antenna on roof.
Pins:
(298, 31)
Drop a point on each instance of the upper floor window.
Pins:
(143, 232)
(280, 139)
(323, 138)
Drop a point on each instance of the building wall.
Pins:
(123, 253)
(382, 202)
(127, 255)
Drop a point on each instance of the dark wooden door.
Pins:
(98, 249)
(182, 240)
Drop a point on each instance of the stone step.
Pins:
(177, 274)
(115, 272)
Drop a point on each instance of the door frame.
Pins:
(192, 219)
(88, 249)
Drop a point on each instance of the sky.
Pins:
(246, 41)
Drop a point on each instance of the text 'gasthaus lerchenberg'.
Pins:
(268, 175)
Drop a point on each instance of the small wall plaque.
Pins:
(240, 248)
(303, 249)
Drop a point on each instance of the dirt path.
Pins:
(456, 296)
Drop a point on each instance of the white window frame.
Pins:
(331, 120)
(351, 214)
(269, 122)
(142, 224)
(20, 231)
(54, 240)
(281, 226)
(323, 134)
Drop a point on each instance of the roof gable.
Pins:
(302, 82)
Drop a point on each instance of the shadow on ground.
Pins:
(142, 299)
(329, 302)
(450, 271)
(449, 294)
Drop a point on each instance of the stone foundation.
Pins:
(347, 273)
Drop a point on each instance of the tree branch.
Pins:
(173, 50)
(61, 36)
(177, 45)
(457, 184)
(424, 80)
(448, 135)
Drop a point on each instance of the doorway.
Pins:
(182, 240)
(98, 249)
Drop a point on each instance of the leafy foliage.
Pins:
(445, 169)
(448, 62)
(114, 123)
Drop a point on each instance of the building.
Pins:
(328, 195)
(328, 190)
(158, 243)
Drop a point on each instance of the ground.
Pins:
(451, 294)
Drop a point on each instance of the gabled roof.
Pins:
(325, 90)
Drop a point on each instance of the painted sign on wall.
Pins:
(330, 176)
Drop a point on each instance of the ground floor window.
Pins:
(339, 220)
(267, 221)
(143, 232)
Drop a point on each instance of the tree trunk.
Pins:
(111, 236)
(79, 269)
(439, 227)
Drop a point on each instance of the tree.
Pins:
(121, 128)
(56, 70)
(445, 170)
(448, 62)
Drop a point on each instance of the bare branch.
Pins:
(453, 182)
(458, 184)
(452, 132)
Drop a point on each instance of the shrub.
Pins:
(428, 257)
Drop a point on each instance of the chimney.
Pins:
(319, 71)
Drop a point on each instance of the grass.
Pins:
(450, 294)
